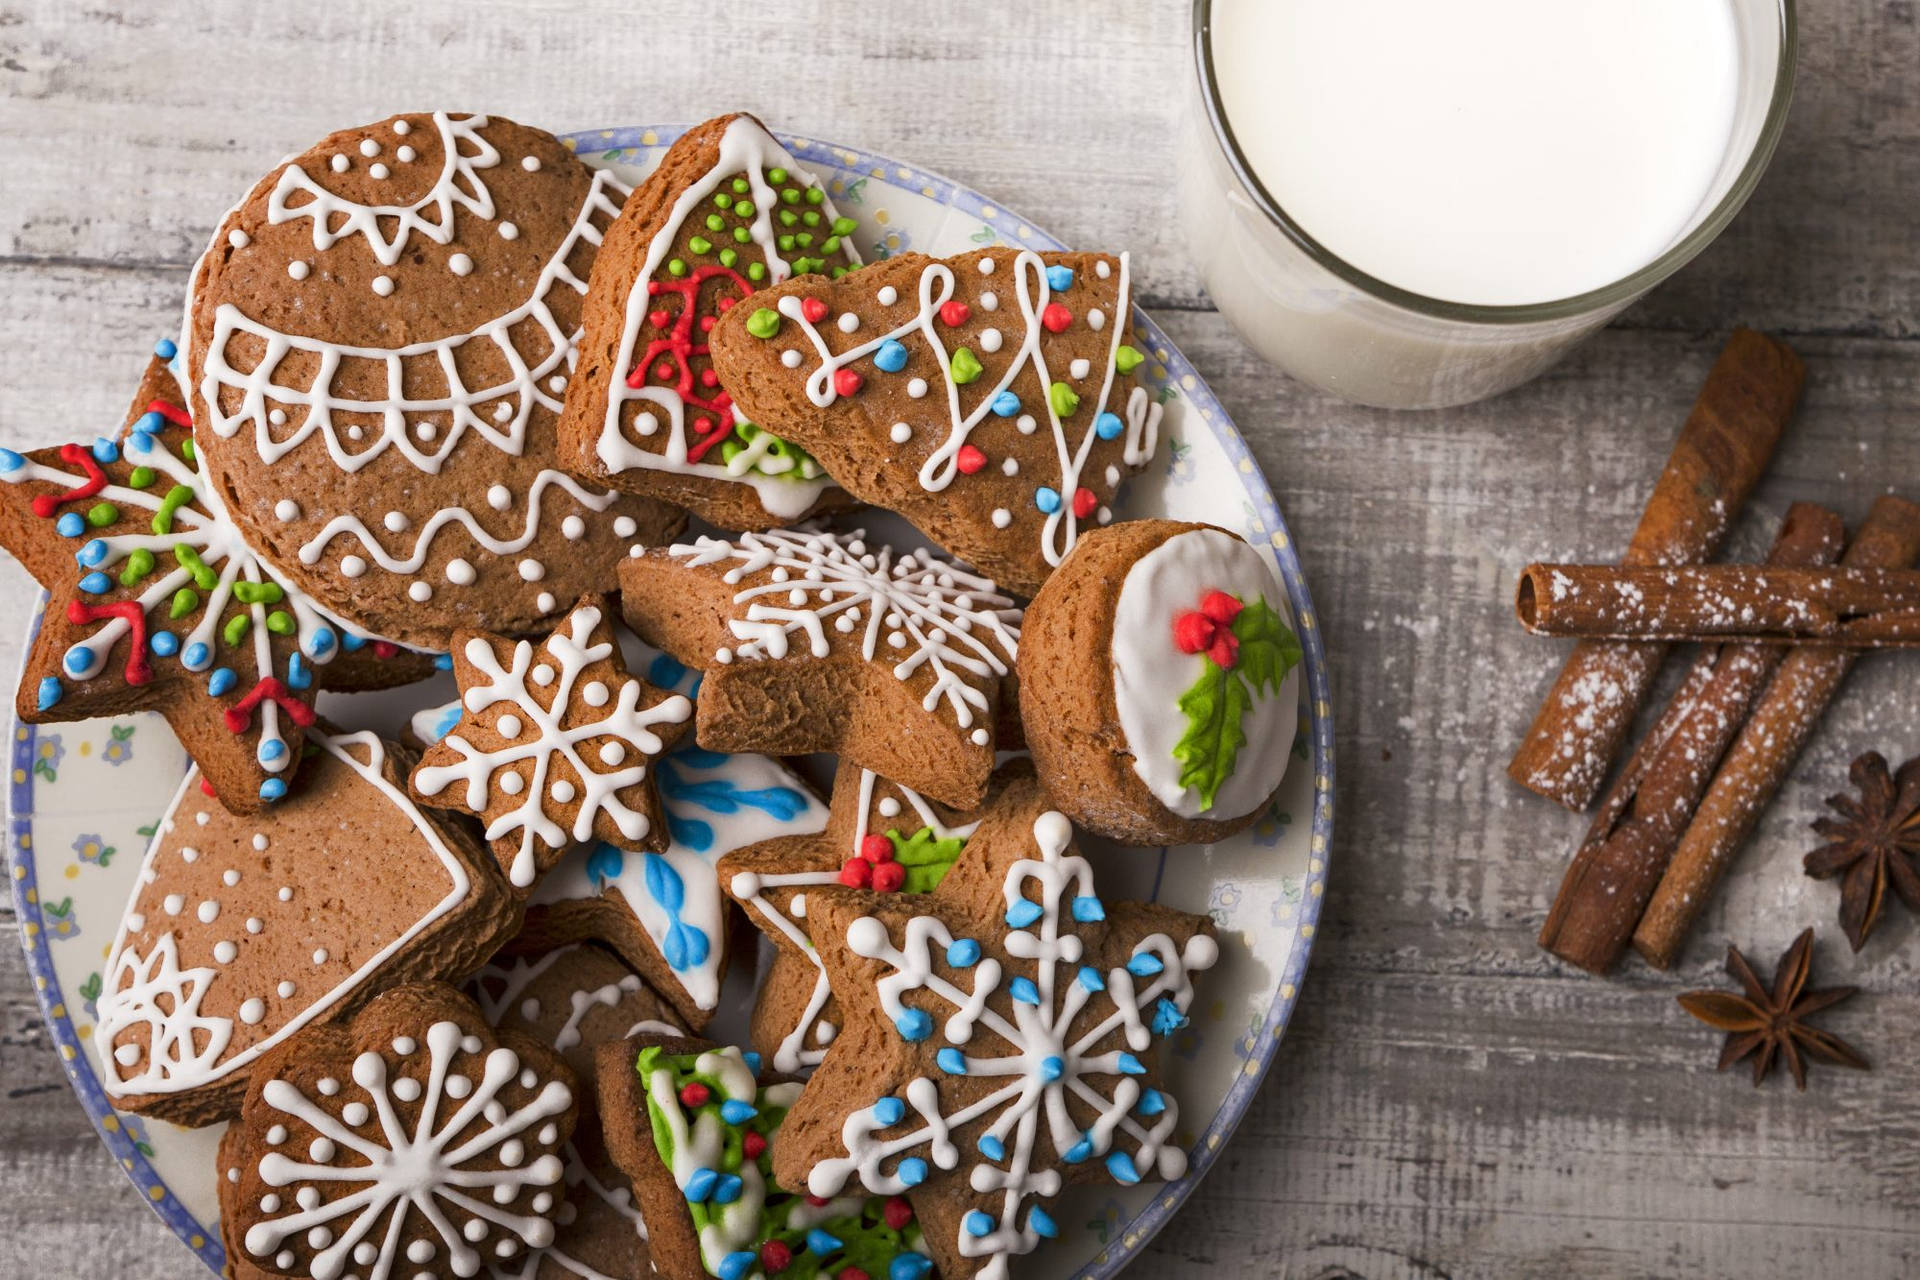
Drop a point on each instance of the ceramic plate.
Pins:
(85, 797)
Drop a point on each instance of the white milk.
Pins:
(1484, 151)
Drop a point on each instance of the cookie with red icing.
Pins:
(727, 213)
(380, 338)
(992, 398)
(1162, 687)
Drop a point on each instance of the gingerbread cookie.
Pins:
(412, 1142)
(881, 836)
(380, 336)
(158, 603)
(727, 212)
(244, 929)
(990, 398)
(555, 745)
(1162, 689)
(818, 641)
(690, 1124)
(997, 1039)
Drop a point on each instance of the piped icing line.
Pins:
(528, 385)
(156, 995)
(1141, 420)
(747, 152)
(1049, 1054)
(622, 763)
(939, 617)
(416, 1166)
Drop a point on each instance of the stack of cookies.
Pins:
(448, 399)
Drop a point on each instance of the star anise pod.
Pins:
(1771, 1021)
(1874, 844)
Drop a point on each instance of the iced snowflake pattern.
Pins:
(937, 616)
(157, 995)
(1060, 1014)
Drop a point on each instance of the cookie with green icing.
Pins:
(692, 1125)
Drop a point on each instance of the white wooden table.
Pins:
(1449, 1101)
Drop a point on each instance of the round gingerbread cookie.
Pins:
(1159, 683)
(379, 342)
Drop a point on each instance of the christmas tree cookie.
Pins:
(691, 1125)
(991, 398)
(726, 214)
(1163, 688)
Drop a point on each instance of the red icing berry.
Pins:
(708, 378)
(753, 1146)
(846, 382)
(898, 1213)
(694, 1094)
(207, 789)
(663, 371)
(813, 309)
(384, 649)
(653, 288)
(1221, 607)
(704, 425)
(775, 1256)
(851, 1273)
(818, 1202)
(725, 304)
(954, 313)
(1055, 317)
(876, 849)
(856, 873)
(888, 877)
(1084, 501)
(1193, 631)
(969, 459)
(658, 318)
(1225, 650)
(707, 323)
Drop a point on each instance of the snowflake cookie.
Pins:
(820, 641)
(998, 1039)
(992, 398)
(555, 744)
(691, 1124)
(413, 1142)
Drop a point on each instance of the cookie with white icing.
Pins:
(380, 337)
(992, 398)
(158, 603)
(555, 745)
(244, 929)
(881, 836)
(820, 641)
(1000, 1040)
(414, 1141)
(728, 212)
(1162, 683)
(692, 1124)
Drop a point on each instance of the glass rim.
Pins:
(1614, 293)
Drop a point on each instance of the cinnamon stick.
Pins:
(1647, 807)
(1725, 445)
(1758, 604)
(1763, 754)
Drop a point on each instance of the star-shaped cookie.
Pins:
(997, 1039)
(554, 745)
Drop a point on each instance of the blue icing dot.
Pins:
(221, 681)
(1079, 1151)
(352, 643)
(1087, 910)
(273, 789)
(736, 1265)
(1046, 499)
(978, 1223)
(1089, 977)
(1023, 990)
(889, 1111)
(320, 642)
(196, 657)
(1041, 1224)
(11, 461)
(443, 662)
(105, 450)
(912, 1171)
(1167, 1017)
(963, 954)
(50, 692)
(1059, 278)
(78, 660)
(1130, 1065)
(96, 584)
(604, 864)
(299, 674)
(1151, 1103)
(910, 1266)
(727, 1188)
(165, 349)
(164, 643)
(822, 1242)
(752, 1060)
(1144, 965)
(914, 1025)
(891, 357)
(140, 442)
(150, 423)
(1006, 404)
(1023, 912)
(700, 1185)
(1108, 426)
(92, 553)
(991, 1147)
(1120, 1165)
(738, 1111)
(271, 749)
(1052, 1068)
(70, 525)
(951, 1061)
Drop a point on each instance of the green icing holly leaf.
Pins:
(1268, 647)
(1217, 704)
(926, 857)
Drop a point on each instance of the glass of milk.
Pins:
(1411, 203)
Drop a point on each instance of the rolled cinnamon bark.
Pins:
(1750, 604)
(1761, 757)
(1725, 445)
(1646, 809)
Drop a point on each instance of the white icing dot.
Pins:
(320, 956)
(1002, 517)
(422, 1250)
(791, 359)
(355, 1114)
(230, 877)
(499, 497)
(404, 1045)
(1026, 424)
(532, 571)
(509, 232)
(276, 1135)
(848, 322)
(612, 754)
(1104, 515)
(278, 417)
(542, 674)
(285, 990)
(173, 904)
(321, 1149)
(127, 1054)
(378, 170)
(573, 528)
(646, 424)
(259, 842)
(407, 1089)
(1080, 368)
(990, 340)
(595, 693)
(1113, 477)
(561, 791)
(339, 163)
(402, 127)
(238, 238)
(545, 602)
(424, 430)
(917, 388)
(136, 921)
(459, 572)
(624, 527)
(1096, 319)
(253, 1011)
(888, 807)
(354, 432)
(405, 155)
(286, 893)
(1011, 466)
(420, 593)
(986, 266)
(269, 1203)
(352, 566)
(509, 726)
(503, 411)
(532, 165)
(298, 269)
(460, 264)
(989, 301)
(901, 433)
(459, 1086)
(328, 1086)
(797, 906)
(557, 383)
(888, 295)
(383, 285)
(368, 147)
(512, 784)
